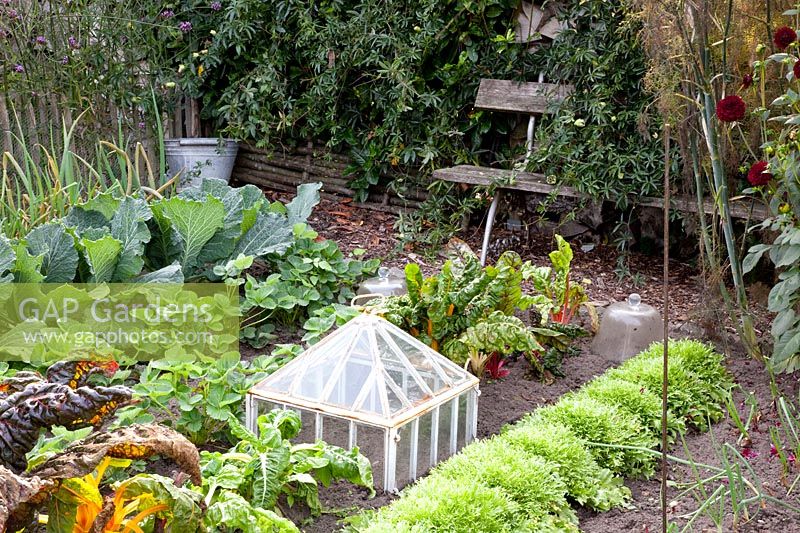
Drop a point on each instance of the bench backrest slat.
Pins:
(515, 97)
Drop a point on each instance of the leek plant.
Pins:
(41, 183)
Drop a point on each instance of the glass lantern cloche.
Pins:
(372, 385)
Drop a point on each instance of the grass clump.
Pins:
(635, 400)
(597, 422)
(529, 480)
(587, 482)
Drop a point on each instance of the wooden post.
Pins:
(193, 118)
(5, 124)
(32, 135)
(177, 120)
(307, 166)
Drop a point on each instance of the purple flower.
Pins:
(65, 60)
(216, 6)
(185, 26)
(167, 14)
(73, 42)
(13, 15)
(19, 68)
(41, 40)
(142, 125)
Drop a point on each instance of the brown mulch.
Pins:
(694, 311)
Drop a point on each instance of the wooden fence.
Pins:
(41, 120)
(284, 169)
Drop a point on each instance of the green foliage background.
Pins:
(390, 82)
(618, 153)
(393, 84)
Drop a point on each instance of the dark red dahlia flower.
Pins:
(796, 69)
(747, 81)
(758, 175)
(783, 37)
(731, 108)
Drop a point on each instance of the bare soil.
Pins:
(694, 311)
(645, 513)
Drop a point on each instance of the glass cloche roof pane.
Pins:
(368, 367)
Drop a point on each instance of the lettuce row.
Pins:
(523, 479)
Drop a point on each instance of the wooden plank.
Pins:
(522, 181)
(530, 182)
(520, 97)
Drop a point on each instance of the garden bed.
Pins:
(507, 400)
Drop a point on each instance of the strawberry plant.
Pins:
(311, 274)
(200, 397)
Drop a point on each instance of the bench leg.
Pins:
(487, 233)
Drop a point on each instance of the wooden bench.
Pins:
(536, 99)
(531, 98)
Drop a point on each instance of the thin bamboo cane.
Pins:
(665, 376)
(747, 329)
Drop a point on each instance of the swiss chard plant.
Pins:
(484, 346)
(69, 485)
(438, 308)
(30, 403)
(467, 312)
(265, 467)
(564, 295)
